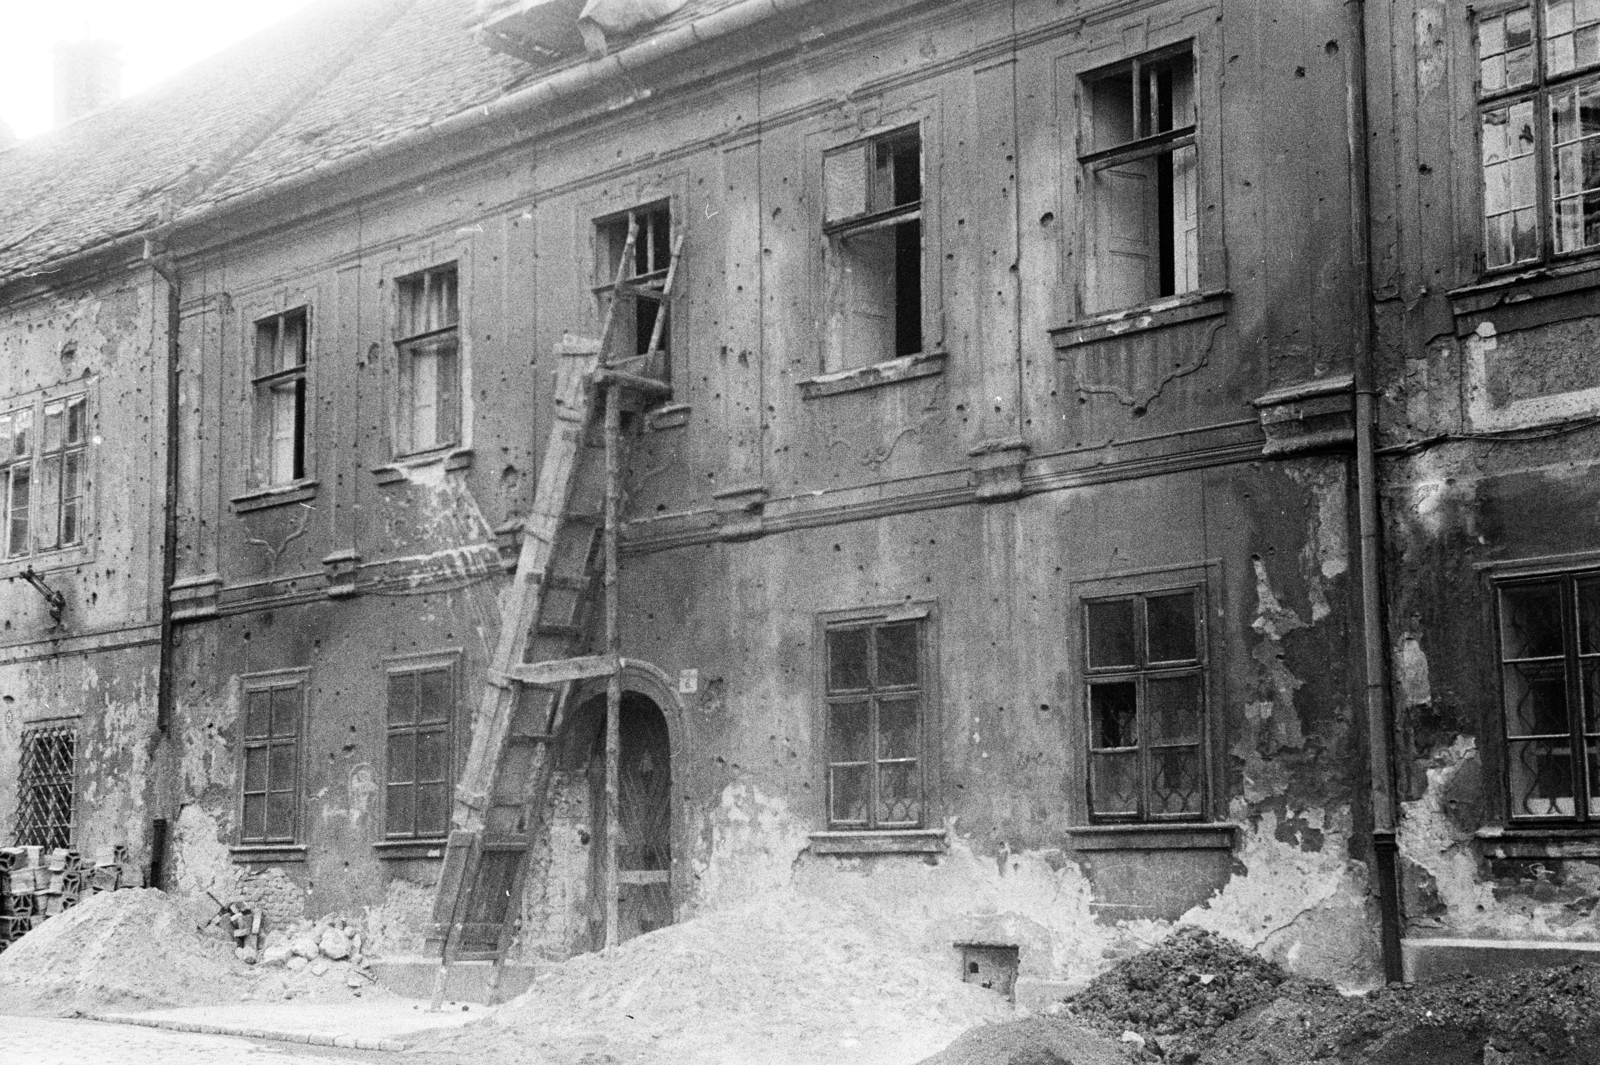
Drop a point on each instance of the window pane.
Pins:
(1114, 783)
(863, 285)
(1171, 627)
(899, 794)
(434, 695)
(255, 817)
(282, 767)
(1591, 698)
(1175, 780)
(898, 728)
(1530, 621)
(1113, 715)
(897, 654)
(285, 709)
(21, 490)
(47, 489)
(849, 793)
(402, 698)
(76, 409)
(398, 811)
(1536, 698)
(849, 732)
(401, 760)
(255, 769)
(280, 815)
(1173, 706)
(1112, 110)
(847, 659)
(844, 183)
(266, 347)
(72, 499)
(433, 810)
(1589, 616)
(258, 710)
(54, 416)
(433, 759)
(1541, 778)
(293, 351)
(1111, 640)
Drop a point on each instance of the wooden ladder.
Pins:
(569, 538)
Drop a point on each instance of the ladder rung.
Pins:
(648, 290)
(528, 739)
(648, 385)
(571, 632)
(580, 517)
(566, 584)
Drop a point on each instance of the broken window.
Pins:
(43, 478)
(421, 701)
(875, 697)
(1140, 181)
(1145, 692)
(652, 254)
(45, 787)
(280, 398)
(429, 347)
(872, 218)
(269, 788)
(1550, 674)
(1539, 122)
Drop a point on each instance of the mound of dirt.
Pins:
(783, 980)
(1539, 1015)
(1034, 1041)
(118, 950)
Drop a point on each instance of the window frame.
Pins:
(1142, 146)
(37, 454)
(1586, 814)
(609, 235)
(408, 345)
(927, 691)
(56, 833)
(262, 388)
(448, 661)
(1538, 92)
(296, 680)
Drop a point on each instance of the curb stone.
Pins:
(323, 1039)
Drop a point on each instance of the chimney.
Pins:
(88, 78)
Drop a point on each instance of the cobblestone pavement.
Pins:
(57, 1041)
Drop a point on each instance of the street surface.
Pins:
(58, 1041)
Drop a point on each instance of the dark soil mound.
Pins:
(1548, 1016)
(1036, 1041)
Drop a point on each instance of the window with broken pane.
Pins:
(43, 475)
(279, 382)
(1539, 129)
(429, 348)
(872, 193)
(1144, 674)
(45, 787)
(1550, 679)
(646, 267)
(875, 696)
(269, 783)
(1140, 181)
(421, 701)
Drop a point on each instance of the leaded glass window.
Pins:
(876, 701)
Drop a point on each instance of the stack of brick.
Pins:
(36, 885)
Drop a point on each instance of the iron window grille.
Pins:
(279, 383)
(43, 475)
(1550, 684)
(872, 191)
(45, 787)
(1141, 180)
(1539, 125)
(1145, 691)
(421, 702)
(876, 703)
(429, 347)
(270, 784)
(652, 255)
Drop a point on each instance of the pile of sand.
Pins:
(118, 950)
(784, 979)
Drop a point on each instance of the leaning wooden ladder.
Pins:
(501, 797)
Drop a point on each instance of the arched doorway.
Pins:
(644, 815)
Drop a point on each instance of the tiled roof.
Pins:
(342, 78)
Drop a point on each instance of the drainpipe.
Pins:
(158, 261)
(1385, 849)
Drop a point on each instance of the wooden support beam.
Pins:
(613, 650)
(561, 670)
(647, 385)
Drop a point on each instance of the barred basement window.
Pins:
(1539, 119)
(429, 346)
(1145, 679)
(45, 787)
(1550, 678)
(270, 788)
(43, 475)
(280, 398)
(876, 704)
(422, 696)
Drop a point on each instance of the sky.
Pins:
(158, 38)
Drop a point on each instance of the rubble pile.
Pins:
(36, 884)
(327, 951)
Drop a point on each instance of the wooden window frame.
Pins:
(443, 342)
(652, 256)
(32, 460)
(265, 386)
(413, 666)
(271, 683)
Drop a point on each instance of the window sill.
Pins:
(1526, 299)
(1190, 307)
(453, 458)
(1184, 836)
(1540, 842)
(397, 849)
(906, 368)
(44, 563)
(279, 495)
(267, 852)
(883, 841)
